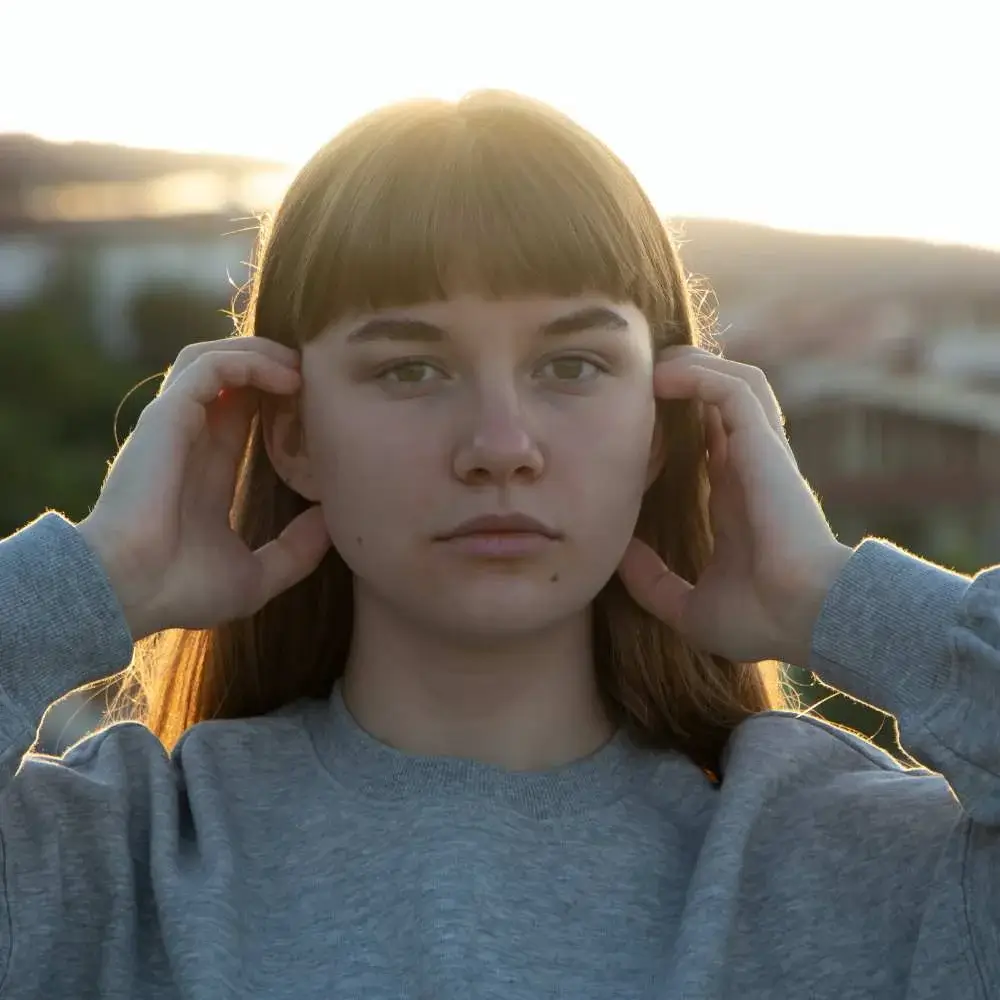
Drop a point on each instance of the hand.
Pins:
(161, 526)
(775, 556)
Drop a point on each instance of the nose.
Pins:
(500, 449)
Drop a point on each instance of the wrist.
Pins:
(810, 595)
(137, 616)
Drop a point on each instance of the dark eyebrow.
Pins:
(418, 330)
(591, 318)
(392, 328)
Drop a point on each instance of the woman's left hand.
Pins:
(774, 557)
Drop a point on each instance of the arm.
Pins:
(61, 627)
(922, 644)
(914, 640)
(74, 831)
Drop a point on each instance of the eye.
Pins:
(410, 373)
(571, 368)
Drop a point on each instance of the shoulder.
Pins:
(119, 825)
(794, 738)
(265, 746)
(124, 768)
(809, 777)
(118, 806)
(98, 769)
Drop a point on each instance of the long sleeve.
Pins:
(923, 644)
(61, 627)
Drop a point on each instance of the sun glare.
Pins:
(781, 113)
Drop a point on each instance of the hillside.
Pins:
(737, 257)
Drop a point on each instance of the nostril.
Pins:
(478, 477)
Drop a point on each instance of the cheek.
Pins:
(372, 469)
(599, 485)
(614, 441)
(351, 441)
(608, 473)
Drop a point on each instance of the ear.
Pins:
(657, 453)
(285, 442)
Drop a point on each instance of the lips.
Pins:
(500, 524)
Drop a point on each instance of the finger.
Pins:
(715, 435)
(760, 460)
(190, 353)
(736, 402)
(230, 415)
(652, 585)
(674, 351)
(711, 384)
(752, 375)
(293, 555)
(725, 496)
(229, 419)
(215, 371)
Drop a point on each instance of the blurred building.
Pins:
(912, 457)
(122, 221)
(885, 356)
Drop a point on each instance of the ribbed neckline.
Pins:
(373, 769)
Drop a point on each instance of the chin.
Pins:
(501, 609)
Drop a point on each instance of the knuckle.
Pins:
(150, 413)
(188, 354)
(754, 380)
(222, 362)
(754, 375)
(186, 357)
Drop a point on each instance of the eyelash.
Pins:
(384, 373)
(600, 367)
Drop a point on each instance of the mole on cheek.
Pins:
(360, 540)
(554, 578)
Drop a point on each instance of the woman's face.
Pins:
(418, 420)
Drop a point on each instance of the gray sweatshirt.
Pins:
(295, 856)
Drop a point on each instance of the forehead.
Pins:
(464, 314)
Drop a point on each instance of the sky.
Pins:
(875, 117)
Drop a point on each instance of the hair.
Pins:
(499, 195)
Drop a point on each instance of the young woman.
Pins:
(449, 594)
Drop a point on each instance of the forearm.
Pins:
(922, 644)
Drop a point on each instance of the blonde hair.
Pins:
(501, 195)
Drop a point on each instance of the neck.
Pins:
(524, 704)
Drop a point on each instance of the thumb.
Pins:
(293, 555)
(652, 585)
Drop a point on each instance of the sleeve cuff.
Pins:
(62, 625)
(884, 632)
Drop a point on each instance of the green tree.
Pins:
(58, 397)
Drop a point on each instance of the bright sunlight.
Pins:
(859, 117)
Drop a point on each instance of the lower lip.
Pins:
(501, 545)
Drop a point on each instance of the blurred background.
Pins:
(832, 170)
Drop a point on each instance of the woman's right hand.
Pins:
(161, 526)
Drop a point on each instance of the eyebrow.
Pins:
(418, 330)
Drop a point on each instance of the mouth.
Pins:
(501, 536)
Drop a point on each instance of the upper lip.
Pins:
(500, 524)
